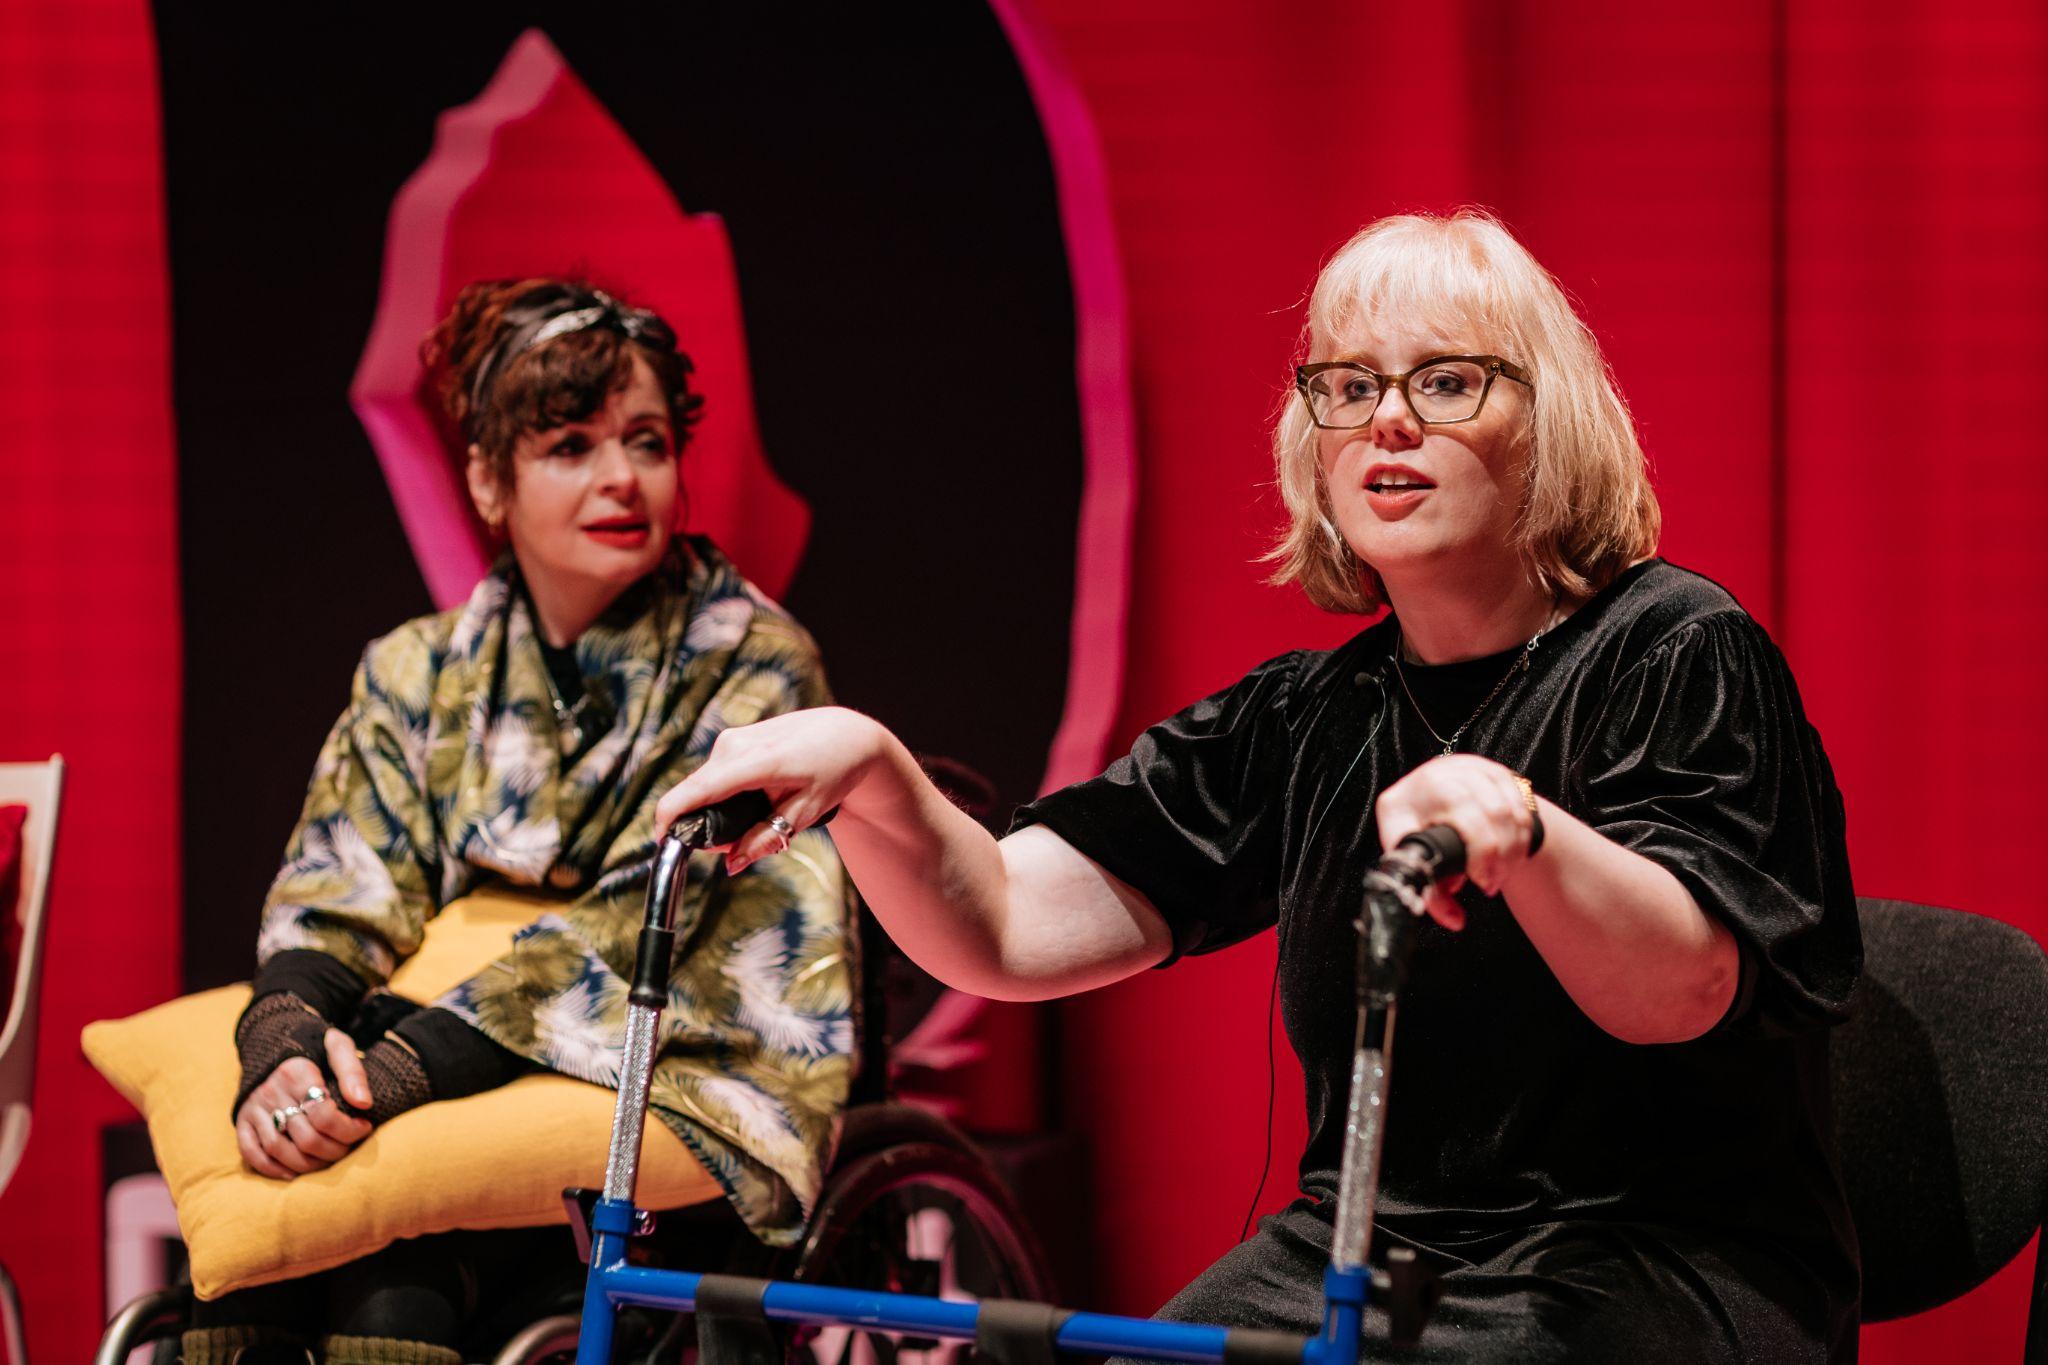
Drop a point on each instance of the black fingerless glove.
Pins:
(430, 1054)
(414, 1055)
(274, 1029)
(398, 1082)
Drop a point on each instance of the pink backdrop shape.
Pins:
(1102, 377)
(493, 200)
(533, 177)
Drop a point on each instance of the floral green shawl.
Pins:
(447, 769)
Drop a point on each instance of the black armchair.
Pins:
(1941, 1108)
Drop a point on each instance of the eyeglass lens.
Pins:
(1447, 391)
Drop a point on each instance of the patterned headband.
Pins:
(553, 320)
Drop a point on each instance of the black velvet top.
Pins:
(1661, 715)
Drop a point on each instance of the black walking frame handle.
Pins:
(719, 823)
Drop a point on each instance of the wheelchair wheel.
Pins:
(912, 1208)
(550, 1339)
(909, 1207)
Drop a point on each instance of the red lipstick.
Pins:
(623, 533)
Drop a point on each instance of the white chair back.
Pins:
(40, 787)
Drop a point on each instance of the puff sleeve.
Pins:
(1703, 761)
(1191, 817)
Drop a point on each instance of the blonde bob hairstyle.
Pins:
(1590, 511)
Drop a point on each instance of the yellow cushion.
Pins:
(496, 1160)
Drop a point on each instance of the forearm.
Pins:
(458, 1058)
(421, 1054)
(1622, 935)
(431, 1055)
(1026, 918)
(325, 983)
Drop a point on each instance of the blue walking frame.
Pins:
(1014, 1332)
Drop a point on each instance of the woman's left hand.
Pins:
(317, 1132)
(1478, 798)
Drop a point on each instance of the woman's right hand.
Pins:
(808, 762)
(1025, 919)
(320, 1134)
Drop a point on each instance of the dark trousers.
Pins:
(457, 1289)
(1582, 1292)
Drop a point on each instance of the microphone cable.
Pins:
(1377, 676)
(1266, 1161)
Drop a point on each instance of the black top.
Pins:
(1662, 716)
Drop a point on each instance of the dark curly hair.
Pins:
(495, 385)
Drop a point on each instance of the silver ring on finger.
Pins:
(280, 1117)
(314, 1095)
(784, 830)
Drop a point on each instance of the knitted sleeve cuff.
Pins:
(458, 1058)
(327, 984)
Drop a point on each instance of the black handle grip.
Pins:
(1258, 1346)
(725, 821)
(1440, 850)
(719, 823)
(1394, 892)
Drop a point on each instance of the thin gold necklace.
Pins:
(1520, 665)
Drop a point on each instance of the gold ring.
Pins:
(1528, 791)
(1535, 815)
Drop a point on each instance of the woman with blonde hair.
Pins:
(1608, 1127)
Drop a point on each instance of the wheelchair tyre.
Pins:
(549, 1339)
(918, 1218)
(927, 1203)
(911, 1206)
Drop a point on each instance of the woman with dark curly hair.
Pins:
(523, 737)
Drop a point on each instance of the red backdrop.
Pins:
(1811, 235)
(88, 590)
